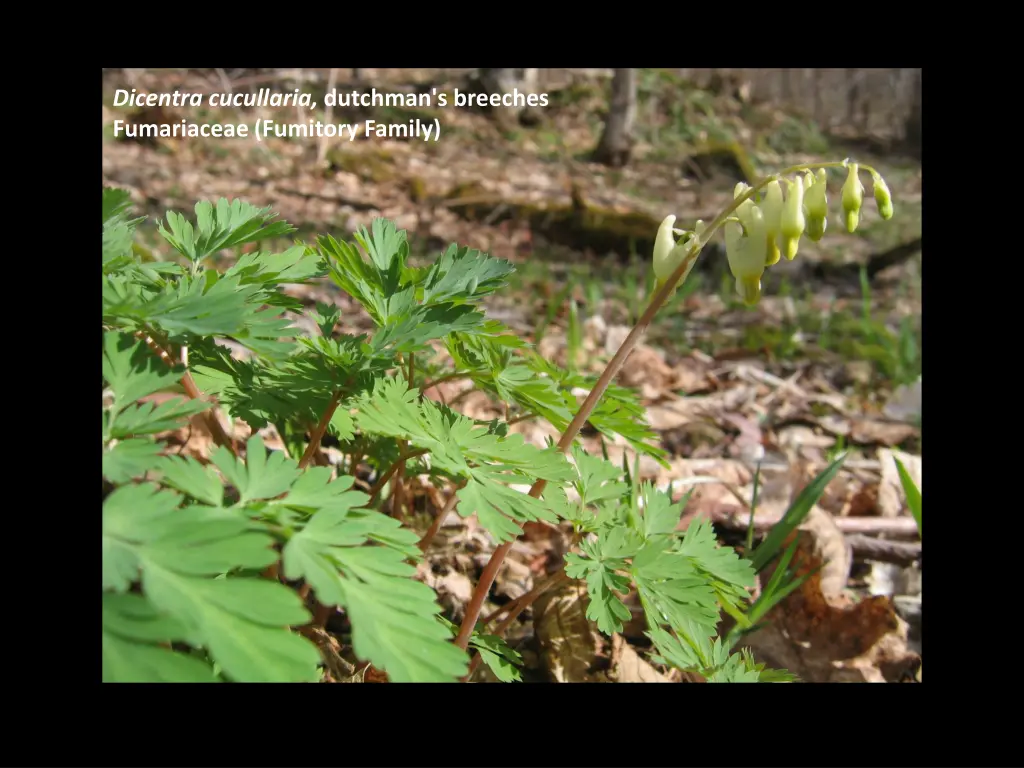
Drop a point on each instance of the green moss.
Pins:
(718, 158)
(417, 189)
(579, 226)
(377, 166)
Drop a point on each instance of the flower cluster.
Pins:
(759, 233)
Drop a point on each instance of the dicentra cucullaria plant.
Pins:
(208, 568)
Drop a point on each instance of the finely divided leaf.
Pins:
(242, 622)
(464, 274)
(393, 617)
(224, 225)
(129, 459)
(487, 461)
(131, 370)
(498, 656)
(132, 629)
(260, 476)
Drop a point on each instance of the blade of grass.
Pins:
(795, 515)
(912, 492)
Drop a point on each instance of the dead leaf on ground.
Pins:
(648, 372)
(830, 546)
(879, 432)
(822, 639)
(628, 667)
(692, 376)
(477, 405)
(567, 641)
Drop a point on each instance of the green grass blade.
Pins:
(795, 515)
(912, 492)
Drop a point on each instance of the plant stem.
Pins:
(383, 479)
(611, 370)
(321, 429)
(521, 417)
(440, 379)
(439, 519)
(516, 607)
(189, 384)
(397, 484)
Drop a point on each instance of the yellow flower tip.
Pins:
(793, 221)
(771, 210)
(883, 198)
(853, 194)
(852, 219)
(747, 253)
(749, 289)
(790, 247)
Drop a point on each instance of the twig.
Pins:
(901, 553)
(225, 81)
(735, 518)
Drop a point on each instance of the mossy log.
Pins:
(730, 159)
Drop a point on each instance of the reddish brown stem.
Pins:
(439, 519)
(188, 383)
(516, 607)
(520, 417)
(383, 479)
(320, 431)
(321, 614)
(440, 379)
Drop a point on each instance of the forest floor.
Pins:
(828, 361)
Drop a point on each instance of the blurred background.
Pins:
(573, 194)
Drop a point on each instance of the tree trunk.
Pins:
(617, 140)
(505, 80)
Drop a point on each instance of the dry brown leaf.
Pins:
(628, 667)
(568, 645)
(864, 502)
(879, 432)
(514, 579)
(824, 639)
(454, 588)
(691, 376)
(830, 546)
(477, 405)
(648, 372)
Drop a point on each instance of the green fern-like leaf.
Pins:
(393, 616)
